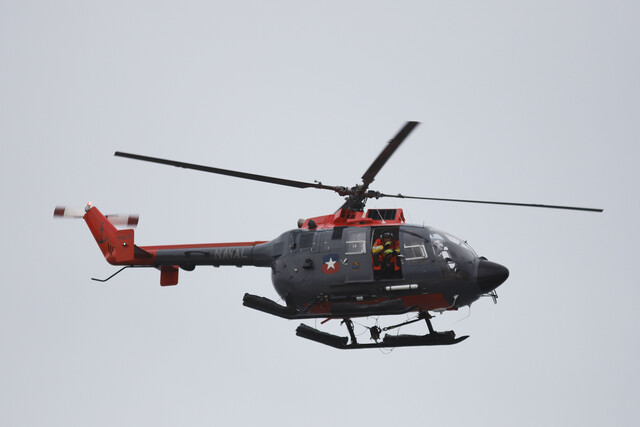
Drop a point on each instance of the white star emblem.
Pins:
(331, 264)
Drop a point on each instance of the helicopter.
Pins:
(349, 264)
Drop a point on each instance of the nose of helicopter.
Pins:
(491, 275)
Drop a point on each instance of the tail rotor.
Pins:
(127, 220)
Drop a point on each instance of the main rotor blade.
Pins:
(378, 163)
(529, 205)
(237, 174)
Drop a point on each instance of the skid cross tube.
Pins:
(352, 334)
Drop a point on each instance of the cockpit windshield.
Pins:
(462, 245)
(450, 248)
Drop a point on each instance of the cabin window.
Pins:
(355, 241)
(303, 241)
(306, 240)
(326, 241)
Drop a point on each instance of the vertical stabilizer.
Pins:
(116, 245)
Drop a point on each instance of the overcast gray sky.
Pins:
(528, 101)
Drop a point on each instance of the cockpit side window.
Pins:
(413, 248)
(440, 248)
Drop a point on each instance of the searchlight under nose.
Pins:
(491, 275)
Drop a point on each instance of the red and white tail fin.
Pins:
(116, 245)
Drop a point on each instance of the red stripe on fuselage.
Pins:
(426, 302)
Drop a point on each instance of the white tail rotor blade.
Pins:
(122, 219)
(64, 212)
(115, 219)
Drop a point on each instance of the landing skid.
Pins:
(346, 311)
(432, 338)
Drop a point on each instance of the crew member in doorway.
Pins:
(385, 252)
